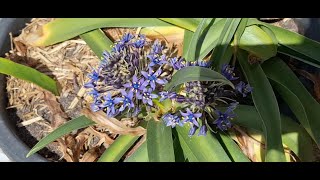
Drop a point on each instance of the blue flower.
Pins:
(223, 122)
(136, 85)
(227, 72)
(118, 47)
(140, 42)
(177, 63)
(172, 120)
(155, 60)
(126, 100)
(192, 130)
(191, 117)
(166, 94)
(147, 96)
(94, 93)
(109, 103)
(152, 77)
(243, 88)
(203, 130)
(203, 63)
(127, 37)
(96, 106)
(94, 76)
(90, 84)
(156, 47)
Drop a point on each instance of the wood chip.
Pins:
(30, 121)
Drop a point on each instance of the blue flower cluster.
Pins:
(131, 76)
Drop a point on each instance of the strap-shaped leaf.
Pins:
(297, 55)
(258, 42)
(293, 135)
(118, 148)
(159, 142)
(266, 105)
(196, 73)
(301, 45)
(186, 42)
(28, 74)
(201, 148)
(97, 41)
(232, 148)
(300, 101)
(193, 53)
(140, 155)
(225, 38)
(186, 23)
(77, 123)
(62, 29)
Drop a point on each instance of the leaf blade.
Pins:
(225, 38)
(28, 74)
(77, 123)
(258, 42)
(195, 73)
(97, 41)
(159, 142)
(118, 148)
(267, 107)
(293, 135)
(233, 149)
(140, 155)
(192, 55)
(62, 29)
(279, 72)
(201, 148)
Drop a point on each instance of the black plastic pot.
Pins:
(10, 143)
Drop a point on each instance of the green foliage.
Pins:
(26, 73)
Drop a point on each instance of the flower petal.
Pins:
(117, 100)
(189, 112)
(145, 74)
(153, 96)
(134, 79)
(183, 114)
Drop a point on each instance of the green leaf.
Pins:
(298, 44)
(186, 23)
(225, 38)
(118, 148)
(159, 142)
(178, 151)
(241, 28)
(201, 148)
(62, 29)
(300, 101)
(258, 42)
(217, 65)
(209, 38)
(289, 52)
(270, 34)
(186, 42)
(26, 73)
(97, 41)
(192, 50)
(140, 155)
(293, 135)
(266, 105)
(232, 148)
(74, 124)
(195, 73)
